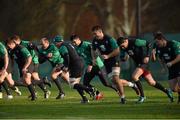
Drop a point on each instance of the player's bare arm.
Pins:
(114, 53)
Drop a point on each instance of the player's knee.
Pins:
(135, 78)
(27, 81)
(1, 81)
(175, 89)
(152, 83)
(11, 83)
(53, 76)
(115, 78)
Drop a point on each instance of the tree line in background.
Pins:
(33, 19)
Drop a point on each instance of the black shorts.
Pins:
(9, 68)
(96, 71)
(32, 68)
(174, 73)
(58, 67)
(76, 69)
(110, 64)
(1, 63)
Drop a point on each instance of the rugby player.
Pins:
(108, 49)
(168, 51)
(139, 51)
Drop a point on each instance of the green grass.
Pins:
(156, 106)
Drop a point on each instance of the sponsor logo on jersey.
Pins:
(102, 47)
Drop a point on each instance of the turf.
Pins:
(156, 106)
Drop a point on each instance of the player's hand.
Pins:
(3, 71)
(58, 69)
(49, 55)
(146, 60)
(65, 69)
(105, 57)
(169, 64)
(89, 68)
(24, 70)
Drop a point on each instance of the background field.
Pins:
(156, 106)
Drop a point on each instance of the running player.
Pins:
(95, 66)
(139, 51)
(169, 54)
(4, 62)
(74, 65)
(49, 52)
(24, 61)
(109, 51)
(35, 74)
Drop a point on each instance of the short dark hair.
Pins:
(73, 36)
(95, 28)
(15, 37)
(45, 38)
(158, 35)
(121, 39)
(10, 40)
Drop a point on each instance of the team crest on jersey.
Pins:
(44, 52)
(169, 49)
(106, 42)
(95, 43)
(15, 57)
(166, 56)
(71, 46)
(102, 47)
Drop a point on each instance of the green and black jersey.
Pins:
(69, 54)
(21, 54)
(2, 50)
(106, 46)
(72, 60)
(169, 53)
(28, 45)
(137, 49)
(2, 55)
(84, 50)
(56, 57)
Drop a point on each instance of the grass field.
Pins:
(157, 106)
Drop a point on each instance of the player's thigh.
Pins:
(35, 76)
(55, 73)
(9, 79)
(3, 76)
(65, 76)
(137, 73)
(175, 84)
(103, 77)
(150, 79)
(27, 78)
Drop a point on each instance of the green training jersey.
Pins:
(105, 46)
(21, 54)
(63, 50)
(168, 54)
(84, 50)
(137, 49)
(31, 50)
(56, 57)
(2, 50)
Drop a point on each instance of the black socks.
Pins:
(58, 84)
(139, 85)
